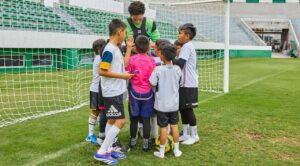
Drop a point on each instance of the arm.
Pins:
(180, 62)
(153, 30)
(129, 45)
(104, 69)
(184, 55)
(108, 73)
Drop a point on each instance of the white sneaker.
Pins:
(184, 138)
(158, 154)
(191, 140)
(177, 153)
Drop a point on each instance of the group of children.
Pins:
(156, 90)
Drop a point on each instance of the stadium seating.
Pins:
(97, 21)
(28, 15)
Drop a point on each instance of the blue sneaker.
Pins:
(118, 155)
(107, 159)
(92, 139)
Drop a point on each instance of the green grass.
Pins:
(257, 123)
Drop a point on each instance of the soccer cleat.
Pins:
(184, 138)
(107, 158)
(146, 145)
(191, 140)
(118, 155)
(177, 153)
(158, 154)
(132, 142)
(92, 139)
(118, 147)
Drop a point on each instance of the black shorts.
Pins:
(165, 118)
(188, 97)
(114, 107)
(94, 103)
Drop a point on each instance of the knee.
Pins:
(120, 123)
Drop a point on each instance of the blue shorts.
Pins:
(141, 103)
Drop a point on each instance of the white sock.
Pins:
(185, 128)
(107, 128)
(162, 149)
(108, 141)
(177, 152)
(176, 146)
(101, 135)
(92, 122)
(154, 126)
(194, 131)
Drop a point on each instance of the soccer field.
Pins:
(256, 123)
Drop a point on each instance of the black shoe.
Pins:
(132, 142)
(117, 146)
(146, 145)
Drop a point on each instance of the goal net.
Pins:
(46, 57)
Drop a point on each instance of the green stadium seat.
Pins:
(6, 16)
(6, 23)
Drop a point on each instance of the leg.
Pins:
(175, 135)
(102, 125)
(185, 124)
(193, 127)
(146, 134)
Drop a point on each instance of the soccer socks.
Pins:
(194, 136)
(107, 128)
(186, 132)
(92, 122)
(177, 152)
(161, 153)
(109, 138)
(194, 133)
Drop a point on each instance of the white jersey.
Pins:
(190, 69)
(112, 60)
(167, 79)
(96, 78)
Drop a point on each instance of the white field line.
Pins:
(55, 155)
(41, 115)
(243, 86)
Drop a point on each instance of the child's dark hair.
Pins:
(142, 44)
(178, 43)
(136, 8)
(98, 46)
(115, 25)
(189, 29)
(160, 42)
(169, 51)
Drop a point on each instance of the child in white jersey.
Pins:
(96, 101)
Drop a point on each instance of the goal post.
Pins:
(212, 20)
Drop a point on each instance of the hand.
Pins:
(152, 45)
(130, 42)
(128, 76)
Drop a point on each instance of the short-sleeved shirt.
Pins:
(190, 69)
(96, 78)
(144, 64)
(149, 24)
(167, 80)
(112, 60)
